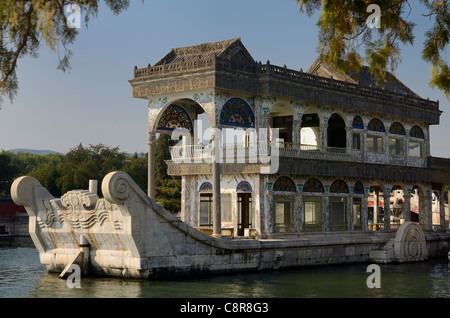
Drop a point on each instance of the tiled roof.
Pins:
(365, 78)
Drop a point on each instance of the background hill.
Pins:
(34, 151)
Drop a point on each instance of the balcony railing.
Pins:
(257, 152)
(214, 62)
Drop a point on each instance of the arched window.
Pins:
(313, 185)
(206, 187)
(397, 129)
(375, 125)
(358, 188)
(206, 204)
(284, 184)
(416, 146)
(396, 145)
(374, 142)
(339, 186)
(175, 117)
(357, 122)
(416, 132)
(237, 112)
(244, 186)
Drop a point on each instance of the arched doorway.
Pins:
(244, 201)
(375, 206)
(358, 197)
(336, 132)
(338, 206)
(310, 132)
(281, 117)
(312, 205)
(398, 207)
(419, 206)
(284, 200)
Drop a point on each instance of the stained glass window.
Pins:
(206, 187)
(357, 122)
(284, 184)
(244, 186)
(175, 117)
(237, 112)
(359, 188)
(397, 128)
(416, 132)
(313, 185)
(339, 186)
(375, 125)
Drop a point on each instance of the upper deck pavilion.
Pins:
(227, 65)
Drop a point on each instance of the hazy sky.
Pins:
(92, 104)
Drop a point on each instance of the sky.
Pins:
(93, 103)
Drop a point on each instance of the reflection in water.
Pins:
(50, 286)
(22, 275)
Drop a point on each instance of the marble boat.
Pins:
(127, 234)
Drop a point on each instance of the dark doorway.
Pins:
(284, 124)
(244, 212)
(337, 135)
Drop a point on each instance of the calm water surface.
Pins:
(22, 275)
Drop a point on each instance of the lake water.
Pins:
(23, 276)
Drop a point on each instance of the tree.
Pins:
(168, 188)
(137, 168)
(7, 173)
(345, 28)
(26, 24)
(82, 164)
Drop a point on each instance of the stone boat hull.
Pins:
(127, 234)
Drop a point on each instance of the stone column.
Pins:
(429, 210)
(407, 150)
(258, 202)
(363, 145)
(376, 201)
(386, 147)
(349, 132)
(365, 210)
(442, 208)
(326, 212)
(298, 212)
(387, 209)
(297, 135)
(269, 213)
(324, 136)
(350, 222)
(151, 141)
(407, 198)
(217, 217)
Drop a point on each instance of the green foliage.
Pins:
(81, 164)
(168, 189)
(7, 173)
(344, 33)
(27, 24)
(62, 173)
(137, 168)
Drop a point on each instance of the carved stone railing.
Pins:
(234, 152)
(345, 86)
(216, 63)
(173, 68)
